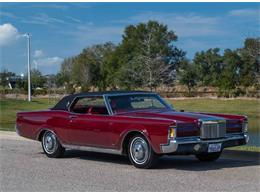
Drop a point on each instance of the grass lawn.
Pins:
(251, 108)
(245, 148)
(9, 108)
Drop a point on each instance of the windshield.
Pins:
(132, 102)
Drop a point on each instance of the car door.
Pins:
(87, 126)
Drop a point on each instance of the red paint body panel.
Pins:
(92, 130)
(109, 131)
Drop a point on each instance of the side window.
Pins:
(89, 105)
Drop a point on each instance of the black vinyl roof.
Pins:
(64, 103)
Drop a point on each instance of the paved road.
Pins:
(24, 167)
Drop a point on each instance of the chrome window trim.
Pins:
(109, 109)
(106, 96)
(86, 96)
(133, 93)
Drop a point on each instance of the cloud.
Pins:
(8, 34)
(40, 5)
(48, 6)
(88, 34)
(7, 14)
(245, 13)
(43, 19)
(184, 24)
(48, 62)
(38, 54)
(74, 19)
(51, 21)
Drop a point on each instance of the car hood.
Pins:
(172, 114)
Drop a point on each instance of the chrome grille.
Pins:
(213, 129)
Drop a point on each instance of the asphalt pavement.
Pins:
(24, 167)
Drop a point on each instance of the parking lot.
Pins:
(24, 167)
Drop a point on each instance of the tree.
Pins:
(64, 76)
(250, 55)
(229, 78)
(5, 76)
(147, 55)
(208, 66)
(88, 69)
(188, 75)
(37, 80)
(101, 68)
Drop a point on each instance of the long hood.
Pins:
(174, 115)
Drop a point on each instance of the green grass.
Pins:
(251, 108)
(9, 108)
(248, 107)
(245, 148)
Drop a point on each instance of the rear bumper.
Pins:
(194, 145)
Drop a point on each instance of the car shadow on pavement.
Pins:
(229, 159)
(93, 156)
(192, 164)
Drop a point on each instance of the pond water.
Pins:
(254, 131)
(254, 139)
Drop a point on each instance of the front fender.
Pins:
(137, 129)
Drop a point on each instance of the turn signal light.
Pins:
(245, 127)
(172, 132)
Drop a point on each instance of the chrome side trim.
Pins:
(92, 149)
(173, 144)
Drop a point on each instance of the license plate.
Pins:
(214, 147)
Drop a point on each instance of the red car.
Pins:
(138, 124)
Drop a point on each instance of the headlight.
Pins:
(172, 132)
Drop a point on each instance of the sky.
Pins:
(61, 30)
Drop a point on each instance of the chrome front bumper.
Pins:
(196, 145)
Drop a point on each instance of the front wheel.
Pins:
(51, 145)
(141, 153)
(208, 156)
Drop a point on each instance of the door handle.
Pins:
(72, 117)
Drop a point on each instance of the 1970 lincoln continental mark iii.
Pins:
(138, 124)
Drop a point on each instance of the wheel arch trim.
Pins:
(142, 132)
(41, 132)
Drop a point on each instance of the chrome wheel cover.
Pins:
(139, 150)
(50, 142)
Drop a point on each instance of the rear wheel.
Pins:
(208, 156)
(141, 153)
(51, 145)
